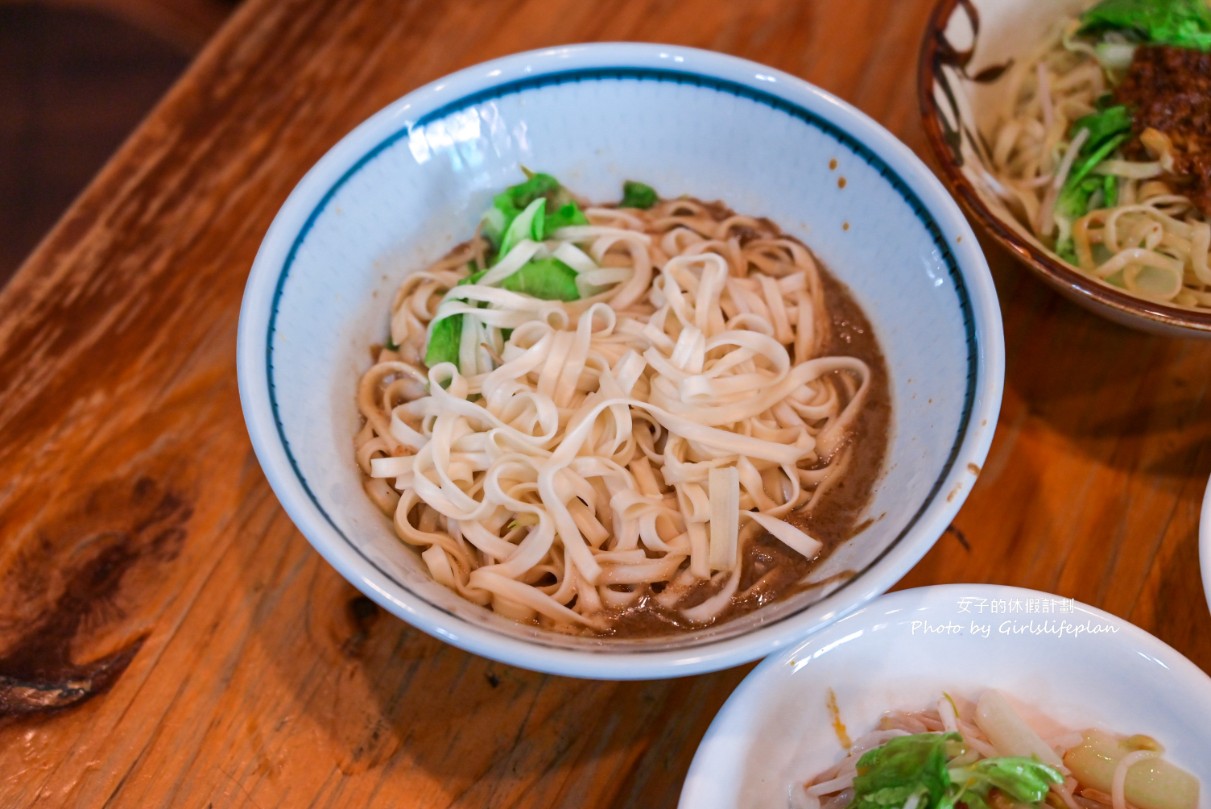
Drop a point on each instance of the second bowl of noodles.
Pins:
(1073, 132)
(620, 361)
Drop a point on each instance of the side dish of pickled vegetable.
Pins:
(1150, 782)
(986, 754)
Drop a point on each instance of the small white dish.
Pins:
(412, 181)
(1080, 666)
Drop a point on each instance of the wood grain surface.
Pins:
(167, 638)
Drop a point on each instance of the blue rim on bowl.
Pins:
(530, 73)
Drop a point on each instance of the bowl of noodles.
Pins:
(620, 361)
(1076, 132)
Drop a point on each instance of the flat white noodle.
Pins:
(583, 453)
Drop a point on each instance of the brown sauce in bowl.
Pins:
(770, 570)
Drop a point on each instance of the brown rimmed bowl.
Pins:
(968, 45)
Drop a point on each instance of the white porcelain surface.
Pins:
(411, 182)
(997, 33)
(1204, 544)
(1079, 666)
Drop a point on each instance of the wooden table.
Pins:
(167, 638)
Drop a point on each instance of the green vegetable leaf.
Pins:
(1076, 199)
(1110, 190)
(637, 195)
(447, 333)
(919, 765)
(1089, 163)
(1182, 23)
(444, 338)
(1108, 129)
(509, 204)
(1103, 125)
(529, 210)
(535, 186)
(1026, 780)
(906, 766)
(529, 224)
(546, 278)
(564, 216)
(1066, 249)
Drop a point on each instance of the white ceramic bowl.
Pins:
(1204, 544)
(1077, 665)
(966, 45)
(412, 181)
